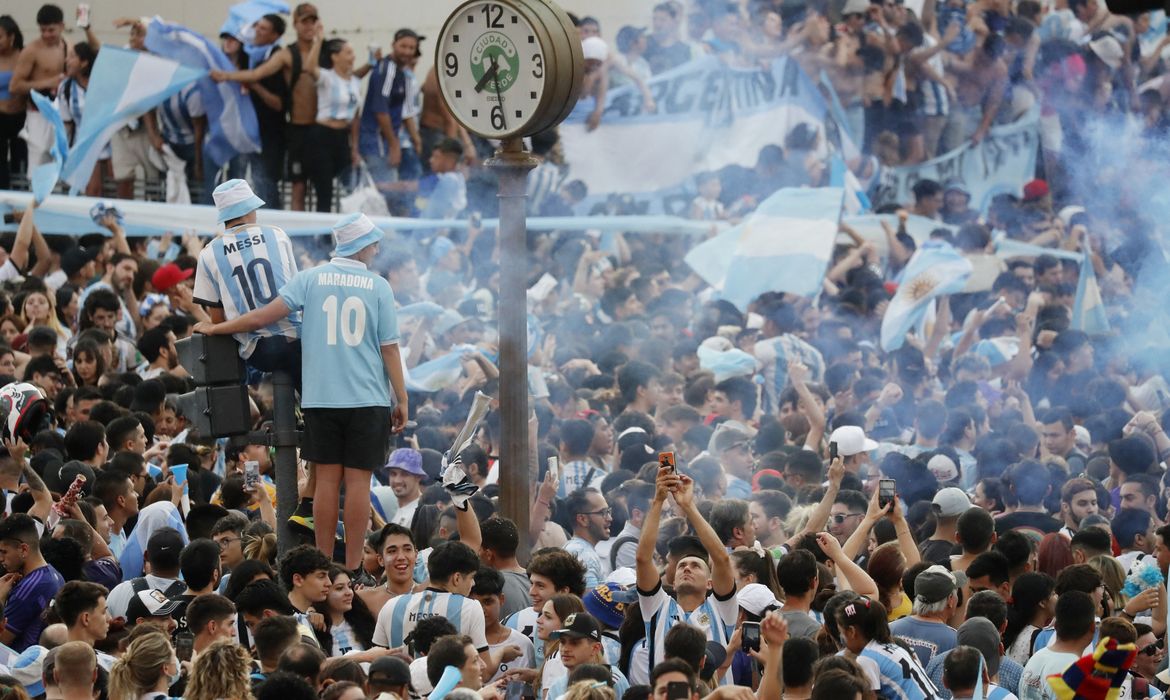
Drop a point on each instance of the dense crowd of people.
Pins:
(727, 502)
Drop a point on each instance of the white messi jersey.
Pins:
(401, 614)
(243, 270)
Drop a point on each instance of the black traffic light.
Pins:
(219, 405)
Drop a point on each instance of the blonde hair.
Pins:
(590, 690)
(221, 671)
(260, 547)
(141, 666)
(1113, 576)
(52, 321)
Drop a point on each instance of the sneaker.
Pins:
(301, 523)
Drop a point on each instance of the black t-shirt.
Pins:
(1039, 523)
(937, 551)
(663, 58)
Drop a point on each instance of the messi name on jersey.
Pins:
(340, 279)
(242, 243)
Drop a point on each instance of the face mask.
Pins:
(174, 677)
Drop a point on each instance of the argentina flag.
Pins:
(45, 176)
(439, 373)
(935, 270)
(784, 246)
(243, 15)
(150, 519)
(123, 85)
(231, 118)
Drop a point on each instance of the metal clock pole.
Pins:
(511, 164)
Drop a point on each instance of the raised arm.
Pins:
(856, 541)
(820, 514)
(722, 574)
(861, 582)
(24, 237)
(648, 577)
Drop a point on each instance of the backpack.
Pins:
(140, 584)
(613, 552)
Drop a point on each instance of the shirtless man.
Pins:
(980, 82)
(41, 67)
(303, 114)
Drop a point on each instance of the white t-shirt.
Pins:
(527, 658)
(1044, 663)
(337, 97)
(405, 513)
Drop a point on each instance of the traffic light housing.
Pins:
(219, 405)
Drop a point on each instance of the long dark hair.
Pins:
(359, 617)
(1028, 591)
(868, 617)
(10, 27)
(86, 53)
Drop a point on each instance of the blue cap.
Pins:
(234, 199)
(353, 234)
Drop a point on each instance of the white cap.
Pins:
(756, 598)
(595, 49)
(234, 199)
(943, 468)
(354, 233)
(950, 502)
(851, 440)
(1109, 50)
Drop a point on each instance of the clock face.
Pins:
(492, 68)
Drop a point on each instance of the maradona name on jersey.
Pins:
(340, 279)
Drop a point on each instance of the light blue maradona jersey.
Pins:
(348, 316)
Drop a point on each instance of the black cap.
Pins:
(389, 670)
(404, 33)
(59, 480)
(716, 654)
(580, 626)
(76, 258)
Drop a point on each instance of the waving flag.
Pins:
(45, 176)
(123, 85)
(231, 118)
(784, 246)
(935, 270)
(243, 15)
(439, 373)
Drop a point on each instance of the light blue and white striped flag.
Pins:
(124, 84)
(231, 118)
(936, 269)
(784, 246)
(439, 373)
(150, 519)
(44, 178)
(1088, 309)
(243, 15)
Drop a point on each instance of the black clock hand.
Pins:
(488, 75)
(500, 102)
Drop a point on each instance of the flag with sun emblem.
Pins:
(935, 270)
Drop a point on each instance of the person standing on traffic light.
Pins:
(351, 362)
(243, 269)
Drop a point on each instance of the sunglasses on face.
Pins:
(1152, 649)
(842, 517)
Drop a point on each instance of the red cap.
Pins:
(764, 472)
(168, 276)
(1036, 189)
